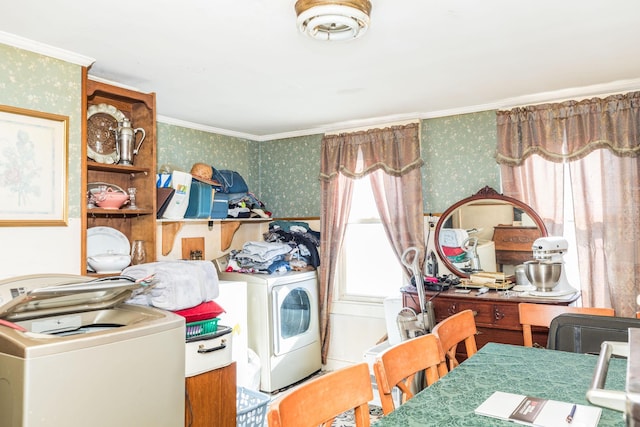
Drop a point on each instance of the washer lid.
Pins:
(34, 296)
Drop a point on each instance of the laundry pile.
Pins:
(288, 245)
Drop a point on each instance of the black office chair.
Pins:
(584, 333)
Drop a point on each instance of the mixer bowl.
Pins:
(543, 275)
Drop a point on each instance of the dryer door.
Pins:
(294, 309)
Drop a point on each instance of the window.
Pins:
(368, 270)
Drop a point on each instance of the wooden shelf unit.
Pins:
(138, 224)
(228, 227)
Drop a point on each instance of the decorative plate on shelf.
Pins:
(102, 121)
(106, 240)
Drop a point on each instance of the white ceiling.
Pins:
(240, 67)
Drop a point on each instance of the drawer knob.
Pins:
(453, 309)
(497, 314)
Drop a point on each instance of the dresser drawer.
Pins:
(444, 308)
(506, 316)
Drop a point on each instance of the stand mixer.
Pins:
(551, 250)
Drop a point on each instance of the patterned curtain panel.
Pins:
(390, 158)
(396, 150)
(570, 130)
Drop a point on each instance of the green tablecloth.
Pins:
(530, 371)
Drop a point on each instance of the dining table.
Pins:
(530, 371)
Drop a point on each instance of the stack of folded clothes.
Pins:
(260, 257)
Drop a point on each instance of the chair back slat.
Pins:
(319, 401)
(460, 327)
(399, 365)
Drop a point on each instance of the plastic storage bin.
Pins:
(220, 206)
(201, 328)
(200, 200)
(251, 408)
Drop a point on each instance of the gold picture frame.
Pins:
(33, 168)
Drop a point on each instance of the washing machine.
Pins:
(73, 354)
(283, 325)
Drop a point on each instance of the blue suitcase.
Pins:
(200, 200)
(220, 206)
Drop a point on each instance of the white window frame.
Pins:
(367, 217)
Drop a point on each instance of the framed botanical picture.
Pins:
(33, 168)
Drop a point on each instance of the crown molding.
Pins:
(44, 49)
(205, 128)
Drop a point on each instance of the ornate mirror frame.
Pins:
(488, 195)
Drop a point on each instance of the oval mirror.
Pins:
(487, 232)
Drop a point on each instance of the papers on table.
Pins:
(536, 411)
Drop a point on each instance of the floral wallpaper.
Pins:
(458, 154)
(180, 147)
(289, 176)
(41, 83)
(283, 174)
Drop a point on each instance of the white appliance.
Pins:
(552, 249)
(73, 355)
(233, 298)
(283, 325)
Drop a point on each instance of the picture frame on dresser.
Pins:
(33, 167)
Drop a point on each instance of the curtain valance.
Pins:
(570, 130)
(395, 149)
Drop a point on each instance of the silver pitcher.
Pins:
(126, 141)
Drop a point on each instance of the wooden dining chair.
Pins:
(542, 315)
(319, 401)
(399, 365)
(460, 327)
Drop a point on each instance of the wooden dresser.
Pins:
(497, 316)
(513, 243)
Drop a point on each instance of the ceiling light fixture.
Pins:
(333, 19)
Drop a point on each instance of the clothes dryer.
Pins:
(283, 325)
(73, 355)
